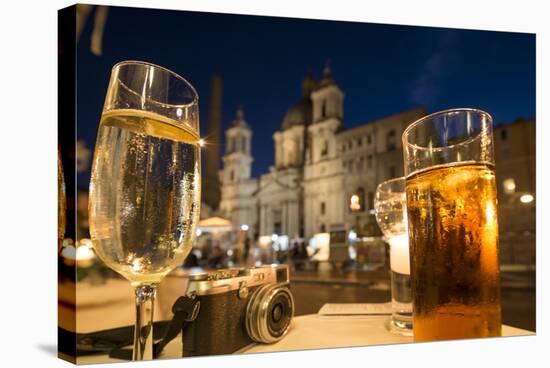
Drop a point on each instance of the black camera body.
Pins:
(238, 307)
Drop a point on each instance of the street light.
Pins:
(526, 198)
(244, 227)
(354, 207)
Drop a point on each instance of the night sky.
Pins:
(382, 69)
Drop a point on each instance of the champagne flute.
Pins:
(145, 188)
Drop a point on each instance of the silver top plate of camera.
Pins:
(224, 280)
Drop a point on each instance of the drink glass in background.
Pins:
(453, 227)
(145, 188)
(391, 214)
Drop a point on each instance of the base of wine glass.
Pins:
(398, 327)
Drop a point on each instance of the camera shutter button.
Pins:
(243, 290)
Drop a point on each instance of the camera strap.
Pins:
(185, 309)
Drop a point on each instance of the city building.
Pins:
(515, 165)
(325, 175)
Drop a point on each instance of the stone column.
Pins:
(262, 220)
(293, 227)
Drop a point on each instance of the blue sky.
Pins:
(382, 69)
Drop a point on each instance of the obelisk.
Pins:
(211, 182)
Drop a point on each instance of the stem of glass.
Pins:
(143, 332)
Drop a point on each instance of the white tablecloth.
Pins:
(313, 331)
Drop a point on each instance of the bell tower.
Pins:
(237, 161)
(237, 190)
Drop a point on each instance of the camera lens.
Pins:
(276, 313)
(269, 313)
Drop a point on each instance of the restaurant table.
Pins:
(314, 331)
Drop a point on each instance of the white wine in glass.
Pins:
(145, 189)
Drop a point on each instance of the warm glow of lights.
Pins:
(352, 235)
(354, 202)
(264, 241)
(244, 227)
(526, 198)
(274, 237)
(199, 232)
(509, 185)
(201, 142)
(352, 253)
(321, 240)
(319, 249)
(84, 253)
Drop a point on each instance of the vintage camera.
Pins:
(238, 307)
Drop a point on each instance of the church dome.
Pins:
(299, 114)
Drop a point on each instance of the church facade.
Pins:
(324, 176)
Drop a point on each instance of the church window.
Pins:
(369, 161)
(323, 208)
(369, 139)
(361, 164)
(324, 109)
(359, 141)
(308, 148)
(354, 203)
(390, 140)
(322, 229)
(361, 195)
(324, 151)
(243, 145)
(503, 134)
(231, 175)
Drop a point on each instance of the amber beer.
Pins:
(453, 230)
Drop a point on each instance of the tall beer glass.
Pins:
(453, 227)
(391, 214)
(145, 188)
